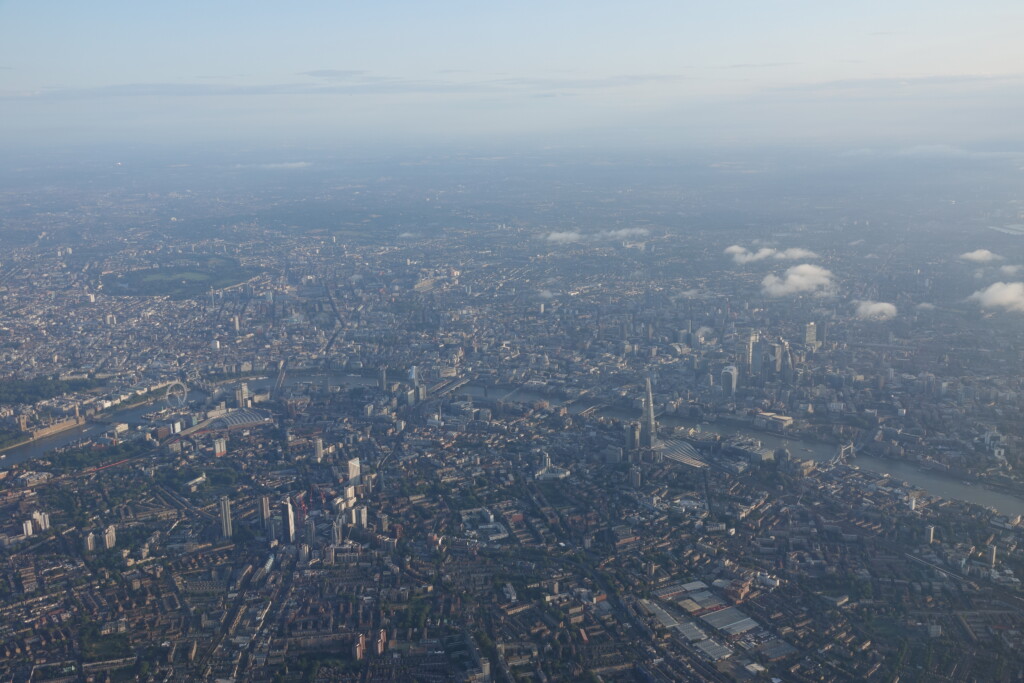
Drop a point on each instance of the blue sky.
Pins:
(735, 72)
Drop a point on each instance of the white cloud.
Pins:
(925, 306)
(805, 277)
(875, 310)
(574, 236)
(407, 235)
(1010, 270)
(565, 237)
(981, 256)
(794, 253)
(743, 255)
(624, 233)
(1008, 295)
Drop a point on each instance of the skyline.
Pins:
(587, 74)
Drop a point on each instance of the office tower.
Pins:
(109, 537)
(318, 450)
(811, 335)
(635, 477)
(265, 511)
(776, 357)
(220, 447)
(311, 531)
(632, 435)
(358, 515)
(992, 556)
(225, 517)
(242, 396)
(786, 363)
(648, 428)
(382, 525)
(931, 534)
(288, 521)
(754, 354)
(730, 378)
(354, 471)
(382, 380)
(338, 531)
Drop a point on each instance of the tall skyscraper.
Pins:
(225, 517)
(242, 396)
(110, 537)
(754, 355)
(811, 335)
(648, 428)
(635, 477)
(358, 516)
(338, 531)
(318, 450)
(288, 521)
(354, 471)
(730, 378)
(265, 511)
(632, 435)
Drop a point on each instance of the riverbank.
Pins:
(935, 483)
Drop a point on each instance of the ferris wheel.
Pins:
(176, 395)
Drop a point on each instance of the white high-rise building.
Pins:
(265, 511)
(225, 517)
(288, 521)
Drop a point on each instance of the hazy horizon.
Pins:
(462, 74)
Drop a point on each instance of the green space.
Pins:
(9, 438)
(96, 647)
(182, 278)
(77, 459)
(13, 391)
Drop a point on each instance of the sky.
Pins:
(913, 72)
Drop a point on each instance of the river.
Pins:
(933, 482)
